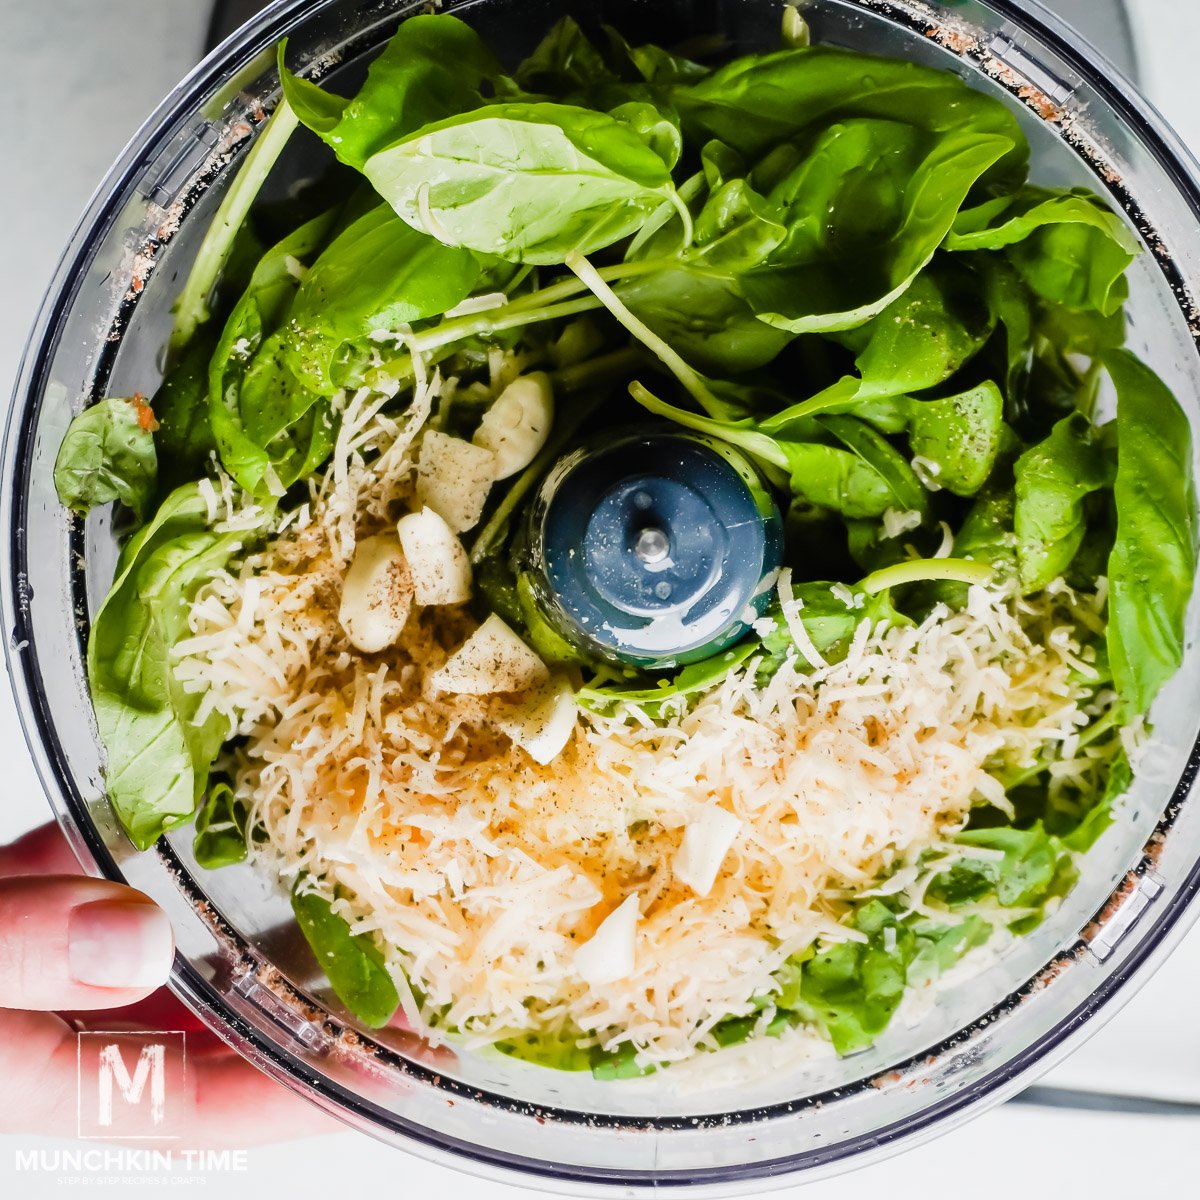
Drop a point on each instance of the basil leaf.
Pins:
(1100, 816)
(1052, 479)
(924, 336)
(269, 428)
(157, 757)
(378, 273)
(865, 207)
(695, 677)
(760, 100)
(184, 441)
(1010, 306)
(351, 962)
(887, 413)
(108, 454)
(559, 1050)
(527, 182)
(852, 989)
(703, 315)
(1153, 562)
(838, 479)
(961, 435)
(563, 62)
(940, 946)
(221, 829)
(1068, 247)
(653, 64)
(736, 229)
(1035, 867)
(904, 490)
(829, 622)
(654, 127)
(432, 68)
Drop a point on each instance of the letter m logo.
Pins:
(125, 1083)
(151, 1065)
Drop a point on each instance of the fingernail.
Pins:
(118, 944)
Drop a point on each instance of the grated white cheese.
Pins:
(483, 872)
(896, 522)
(791, 606)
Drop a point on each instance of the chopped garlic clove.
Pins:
(377, 594)
(454, 478)
(609, 953)
(441, 570)
(492, 659)
(517, 425)
(706, 840)
(542, 721)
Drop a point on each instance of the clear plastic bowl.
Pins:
(240, 964)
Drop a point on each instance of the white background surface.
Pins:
(76, 79)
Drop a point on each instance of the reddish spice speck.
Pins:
(145, 414)
(1041, 103)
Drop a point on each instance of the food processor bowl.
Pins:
(743, 1119)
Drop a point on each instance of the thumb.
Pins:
(72, 942)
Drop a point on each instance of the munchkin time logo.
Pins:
(132, 1089)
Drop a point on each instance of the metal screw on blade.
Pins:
(652, 546)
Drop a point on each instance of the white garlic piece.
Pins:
(518, 423)
(440, 568)
(377, 594)
(492, 659)
(609, 954)
(707, 837)
(542, 721)
(454, 478)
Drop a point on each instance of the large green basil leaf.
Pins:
(1011, 309)
(653, 64)
(221, 829)
(378, 273)
(886, 412)
(108, 454)
(758, 101)
(866, 206)
(564, 63)
(922, 338)
(703, 315)
(1068, 247)
(1153, 563)
(156, 757)
(1052, 479)
(837, 479)
(873, 452)
(526, 182)
(852, 989)
(1034, 868)
(431, 69)
(184, 440)
(736, 229)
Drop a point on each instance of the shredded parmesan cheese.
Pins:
(482, 873)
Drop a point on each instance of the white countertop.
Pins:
(76, 79)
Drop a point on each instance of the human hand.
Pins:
(76, 951)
